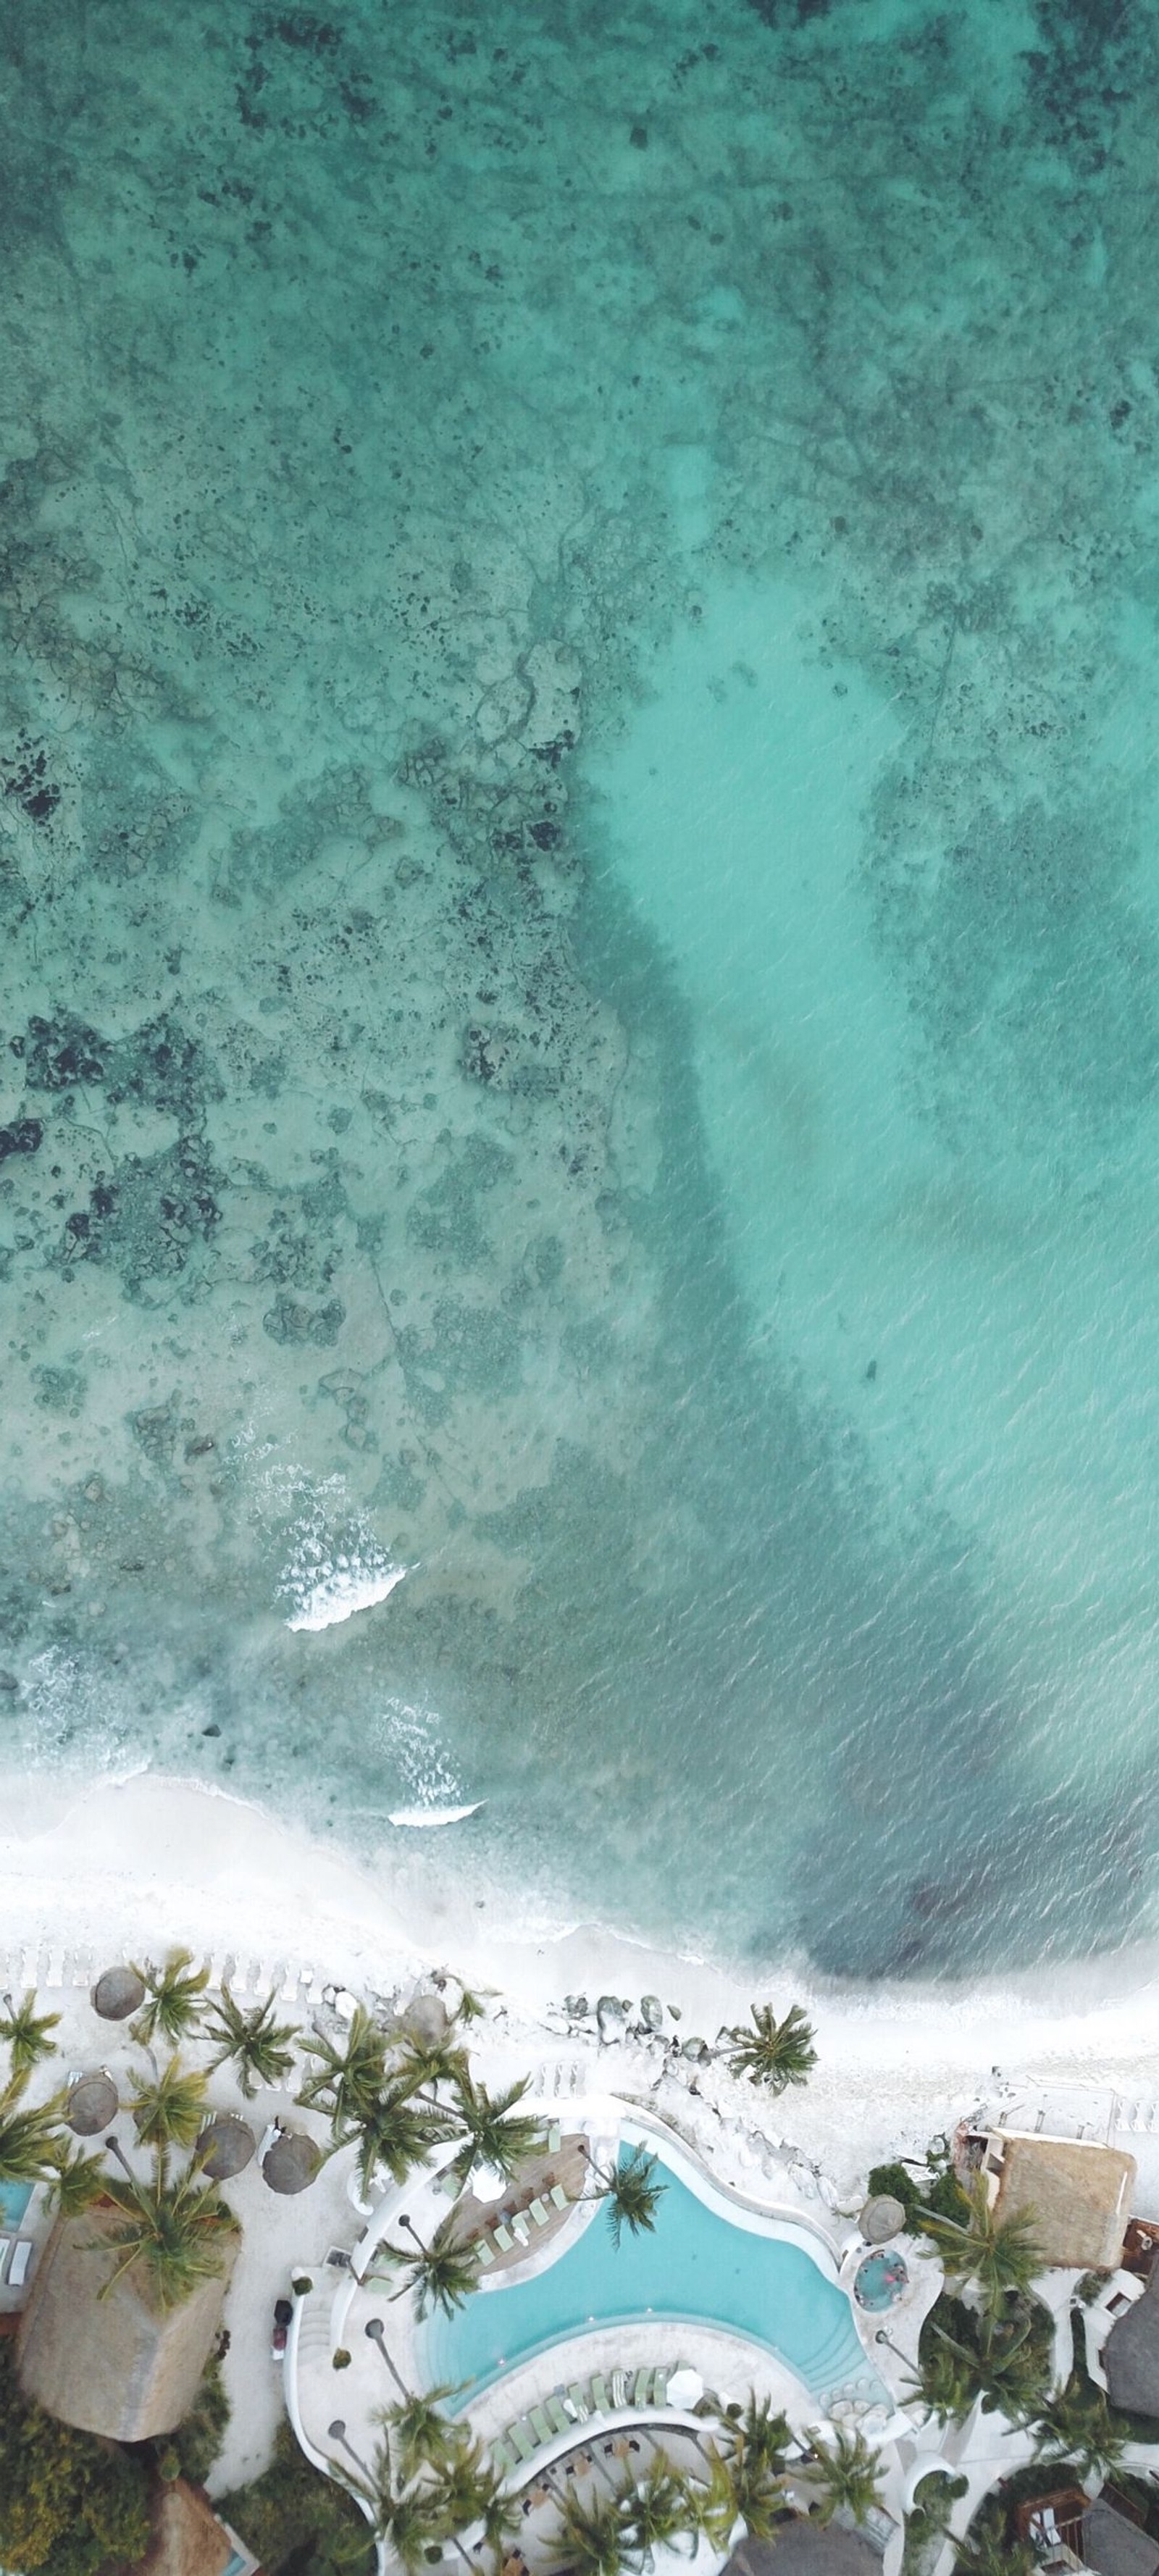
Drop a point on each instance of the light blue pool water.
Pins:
(14, 2200)
(696, 2266)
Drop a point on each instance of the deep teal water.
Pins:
(696, 2266)
(579, 1009)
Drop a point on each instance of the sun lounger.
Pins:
(520, 2438)
(558, 2195)
(619, 2387)
(642, 2391)
(660, 2387)
(539, 2423)
(504, 2239)
(554, 2140)
(5, 2250)
(557, 2414)
(578, 2397)
(503, 2457)
(21, 2258)
(520, 2228)
(601, 2401)
(484, 2253)
(538, 2214)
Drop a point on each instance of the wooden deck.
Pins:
(470, 2219)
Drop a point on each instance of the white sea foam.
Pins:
(336, 1566)
(433, 1815)
(341, 1590)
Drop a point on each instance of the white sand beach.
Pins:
(121, 1868)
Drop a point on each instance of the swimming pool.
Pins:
(699, 2266)
(14, 2200)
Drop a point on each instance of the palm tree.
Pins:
(432, 2062)
(943, 2382)
(590, 2538)
(174, 2002)
(26, 2032)
(760, 2434)
(168, 2108)
(423, 2437)
(462, 2485)
(77, 2181)
(396, 2132)
(989, 2553)
(494, 2133)
(999, 2255)
(1002, 2368)
(847, 2470)
(740, 2488)
(260, 2048)
(775, 2053)
(405, 2517)
(29, 2140)
(442, 2274)
(656, 2512)
(500, 2515)
(177, 2231)
(632, 2196)
(350, 2078)
(1079, 2426)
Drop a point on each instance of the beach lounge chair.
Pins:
(554, 2140)
(539, 2423)
(579, 2397)
(519, 2437)
(503, 2457)
(557, 2414)
(660, 2387)
(601, 2401)
(504, 2239)
(619, 2387)
(538, 2214)
(520, 2228)
(21, 2258)
(558, 2195)
(5, 2250)
(642, 2391)
(484, 2253)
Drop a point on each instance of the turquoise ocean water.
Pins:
(579, 1006)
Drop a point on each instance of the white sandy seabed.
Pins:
(126, 1867)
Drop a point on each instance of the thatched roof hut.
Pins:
(121, 2365)
(226, 2146)
(92, 2104)
(426, 2019)
(1131, 2354)
(804, 2549)
(1115, 2546)
(292, 2162)
(119, 1992)
(881, 2218)
(1077, 2196)
(186, 2538)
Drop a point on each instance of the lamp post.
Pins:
(376, 2331)
(337, 2433)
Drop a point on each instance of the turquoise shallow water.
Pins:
(694, 2267)
(578, 1002)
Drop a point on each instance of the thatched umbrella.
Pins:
(426, 2020)
(225, 2147)
(119, 1992)
(292, 2161)
(91, 2104)
(881, 2218)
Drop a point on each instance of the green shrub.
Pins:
(896, 2182)
(291, 2511)
(68, 2502)
(198, 2440)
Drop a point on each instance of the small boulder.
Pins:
(611, 2017)
(576, 2007)
(651, 2012)
(696, 2049)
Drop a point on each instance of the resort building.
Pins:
(109, 2359)
(1076, 2195)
